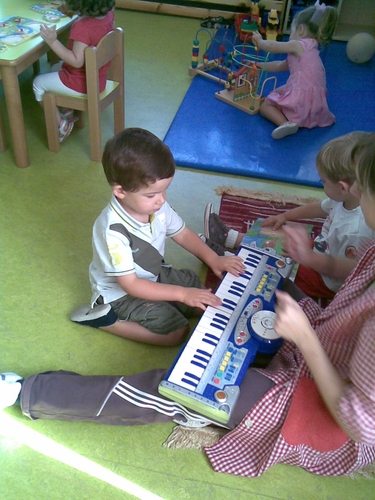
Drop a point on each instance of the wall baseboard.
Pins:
(184, 8)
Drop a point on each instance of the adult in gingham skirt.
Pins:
(279, 418)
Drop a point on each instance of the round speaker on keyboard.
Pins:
(261, 326)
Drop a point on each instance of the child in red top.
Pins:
(96, 19)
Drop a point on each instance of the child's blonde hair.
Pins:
(320, 23)
(334, 158)
(363, 158)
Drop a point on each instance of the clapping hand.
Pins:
(49, 35)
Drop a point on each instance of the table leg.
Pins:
(36, 67)
(3, 139)
(15, 114)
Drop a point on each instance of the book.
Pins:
(266, 237)
(48, 8)
(15, 30)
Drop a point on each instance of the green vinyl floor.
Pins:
(47, 211)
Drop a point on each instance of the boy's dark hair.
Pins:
(135, 158)
(90, 8)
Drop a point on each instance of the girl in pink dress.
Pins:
(302, 101)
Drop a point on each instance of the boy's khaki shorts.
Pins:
(159, 317)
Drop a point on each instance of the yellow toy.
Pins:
(272, 25)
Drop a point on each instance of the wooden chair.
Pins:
(109, 49)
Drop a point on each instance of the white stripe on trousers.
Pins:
(160, 405)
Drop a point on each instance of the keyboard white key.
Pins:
(211, 359)
(201, 346)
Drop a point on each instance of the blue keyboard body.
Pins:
(208, 371)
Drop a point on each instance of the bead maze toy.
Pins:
(237, 67)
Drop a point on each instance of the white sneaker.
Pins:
(10, 388)
(287, 128)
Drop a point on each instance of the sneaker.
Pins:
(214, 228)
(212, 22)
(217, 22)
(287, 128)
(10, 388)
(64, 129)
(98, 316)
(218, 249)
(69, 116)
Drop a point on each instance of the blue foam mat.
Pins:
(209, 134)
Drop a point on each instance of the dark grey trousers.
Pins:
(116, 400)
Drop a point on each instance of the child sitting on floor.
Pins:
(336, 250)
(135, 293)
(302, 101)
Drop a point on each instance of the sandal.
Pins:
(64, 129)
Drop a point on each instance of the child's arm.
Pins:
(151, 290)
(292, 324)
(191, 242)
(274, 66)
(297, 246)
(290, 47)
(310, 211)
(74, 57)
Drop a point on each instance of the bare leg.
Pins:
(135, 331)
(284, 126)
(272, 114)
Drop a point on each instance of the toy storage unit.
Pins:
(355, 16)
(200, 8)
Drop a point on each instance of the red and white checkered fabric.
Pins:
(346, 329)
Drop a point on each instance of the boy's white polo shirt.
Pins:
(121, 246)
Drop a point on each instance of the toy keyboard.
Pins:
(209, 369)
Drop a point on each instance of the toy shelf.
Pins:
(200, 8)
(354, 17)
